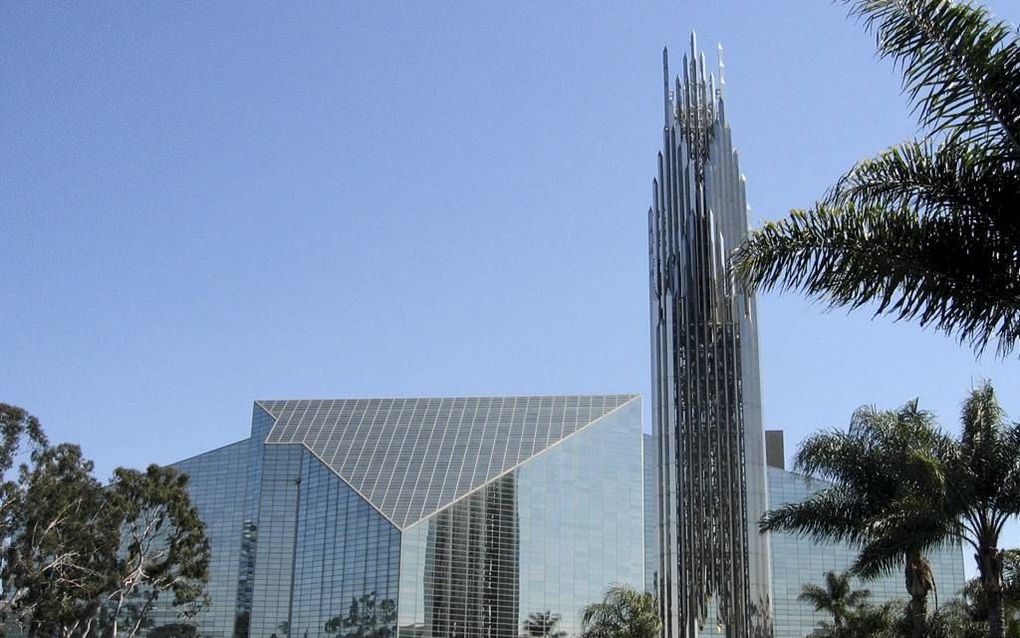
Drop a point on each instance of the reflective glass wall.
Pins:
(297, 551)
(547, 538)
(345, 561)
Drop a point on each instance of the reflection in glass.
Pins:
(546, 514)
(368, 617)
(472, 582)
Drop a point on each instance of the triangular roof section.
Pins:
(410, 458)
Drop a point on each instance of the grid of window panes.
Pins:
(798, 560)
(345, 562)
(274, 558)
(412, 457)
(216, 485)
(262, 423)
(550, 536)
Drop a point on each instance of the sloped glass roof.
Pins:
(410, 458)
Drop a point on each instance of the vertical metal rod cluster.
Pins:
(713, 565)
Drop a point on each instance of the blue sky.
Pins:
(206, 204)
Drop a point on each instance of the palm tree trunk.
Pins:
(919, 582)
(989, 560)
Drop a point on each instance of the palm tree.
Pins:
(884, 496)
(974, 602)
(836, 597)
(983, 492)
(623, 613)
(543, 625)
(926, 230)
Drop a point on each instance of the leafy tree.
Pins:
(623, 613)
(836, 597)
(61, 550)
(543, 625)
(368, 617)
(163, 544)
(78, 557)
(885, 485)
(16, 427)
(927, 230)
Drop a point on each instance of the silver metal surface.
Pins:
(706, 405)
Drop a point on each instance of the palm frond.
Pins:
(948, 273)
(934, 180)
(909, 527)
(832, 513)
(817, 595)
(960, 67)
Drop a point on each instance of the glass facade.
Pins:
(459, 517)
(550, 536)
(797, 560)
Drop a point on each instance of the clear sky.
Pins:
(203, 204)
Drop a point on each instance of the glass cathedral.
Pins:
(424, 518)
(713, 574)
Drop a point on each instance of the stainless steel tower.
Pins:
(706, 397)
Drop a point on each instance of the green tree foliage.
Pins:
(901, 488)
(623, 613)
(978, 492)
(543, 625)
(368, 617)
(885, 483)
(976, 603)
(63, 547)
(164, 547)
(836, 597)
(926, 230)
(80, 558)
(967, 616)
(16, 428)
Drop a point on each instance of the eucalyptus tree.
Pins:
(62, 548)
(884, 496)
(836, 597)
(926, 230)
(18, 430)
(623, 613)
(163, 546)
